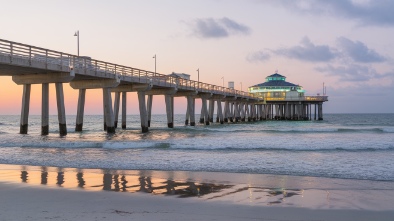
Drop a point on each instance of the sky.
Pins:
(347, 44)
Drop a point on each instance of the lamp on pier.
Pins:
(155, 62)
(77, 35)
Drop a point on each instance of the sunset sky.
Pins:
(347, 44)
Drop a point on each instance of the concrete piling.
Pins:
(143, 111)
(45, 109)
(149, 108)
(124, 109)
(61, 112)
(116, 108)
(108, 112)
(169, 110)
(25, 109)
(211, 109)
(80, 110)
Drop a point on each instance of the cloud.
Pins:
(358, 51)
(258, 56)
(218, 28)
(307, 51)
(353, 72)
(372, 12)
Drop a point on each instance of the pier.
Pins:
(34, 65)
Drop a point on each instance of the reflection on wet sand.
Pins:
(119, 181)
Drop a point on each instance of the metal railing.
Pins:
(85, 66)
(304, 98)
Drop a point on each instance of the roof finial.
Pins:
(276, 71)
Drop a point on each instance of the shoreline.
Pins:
(26, 202)
(203, 190)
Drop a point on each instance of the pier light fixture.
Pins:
(77, 35)
(223, 80)
(155, 62)
(198, 76)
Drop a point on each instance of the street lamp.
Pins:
(155, 62)
(223, 80)
(77, 35)
(241, 85)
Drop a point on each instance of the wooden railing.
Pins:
(83, 65)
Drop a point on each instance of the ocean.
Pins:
(346, 146)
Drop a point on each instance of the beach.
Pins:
(336, 169)
(169, 195)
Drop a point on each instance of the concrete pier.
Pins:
(204, 111)
(149, 104)
(45, 109)
(116, 108)
(169, 110)
(226, 111)
(143, 111)
(211, 109)
(61, 110)
(191, 108)
(80, 110)
(25, 109)
(220, 112)
(108, 112)
(124, 109)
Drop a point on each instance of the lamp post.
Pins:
(241, 85)
(155, 63)
(223, 80)
(198, 77)
(77, 35)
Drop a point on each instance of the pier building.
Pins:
(287, 101)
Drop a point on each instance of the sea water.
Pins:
(349, 146)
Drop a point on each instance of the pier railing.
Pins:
(304, 98)
(42, 58)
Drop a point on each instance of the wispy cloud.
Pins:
(376, 12)
(258, 56)
(353, 72)
(358, 51)
(308, 51)
(218, 28)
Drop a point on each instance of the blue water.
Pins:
(350, 146)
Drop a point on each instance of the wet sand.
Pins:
(49, 193)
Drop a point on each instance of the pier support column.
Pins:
(320, 106)
(61, 112)
(80, 110)
(220, 112)
(211, 110)
(104, 117)
(204, 111)
(45, 109)
(202, 114)
(150, 101)
(170, 110)
(116, 108)
(25, 109)
(242, 109)
(124, 109)
(108, 112)
(231, 115)
(143, 112)
(226, 107)
(187, 112)
(190, 109)
(315, 112)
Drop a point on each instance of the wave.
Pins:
(195, 147)
(306, 130)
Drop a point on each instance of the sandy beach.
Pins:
(229, 196)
